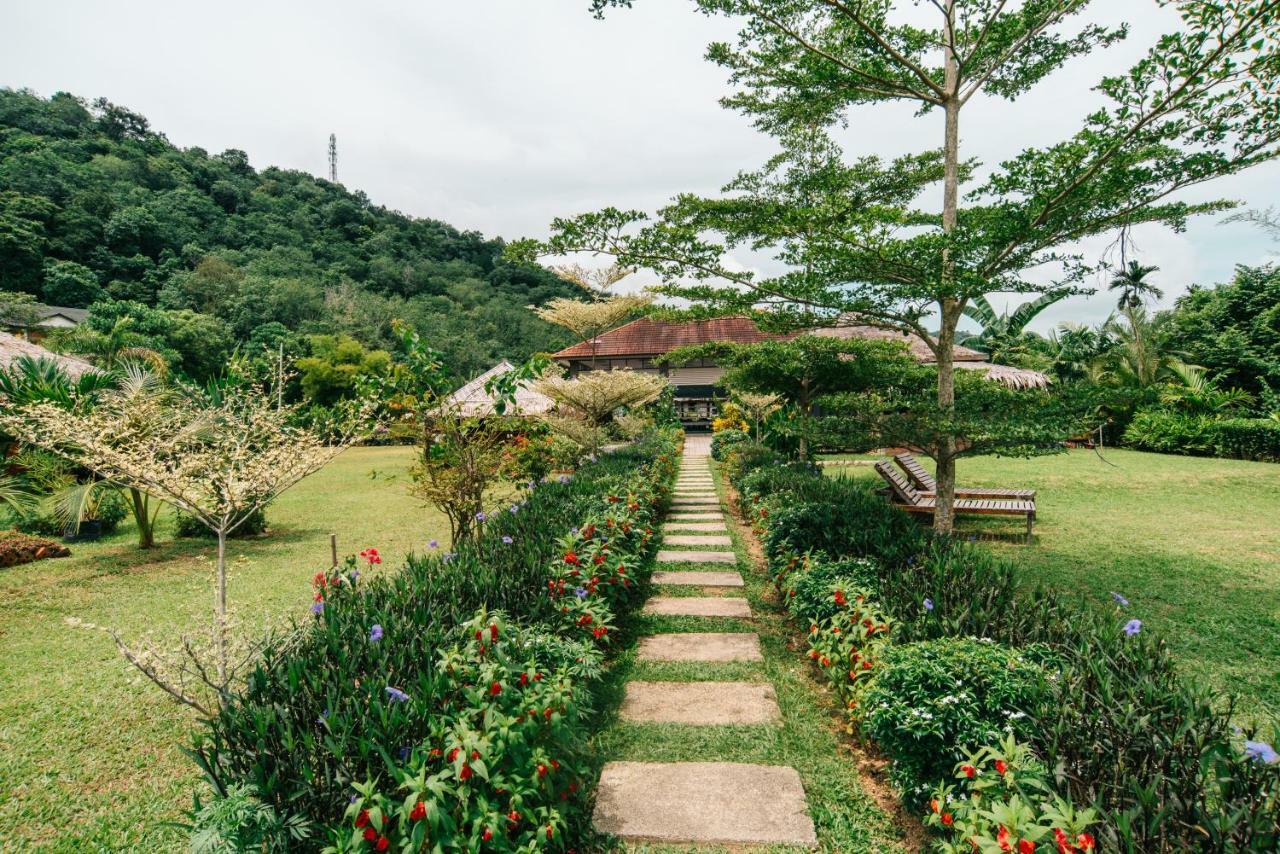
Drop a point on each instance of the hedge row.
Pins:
(1201, 435)
(443, 704)
(959, 675)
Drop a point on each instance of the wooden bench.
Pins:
(924, 483)
(906, 497)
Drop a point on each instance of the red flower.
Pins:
(1001, 767)
(370, 834)
(434, 753)
(551, 831)
(493, 631)
(947, 819)
(371, 555)
(555, 764)
(487, 835)
(1085, 841)
(419, 812)
(362, 819)
(524, 679)
(839, 597)
(495, 689)
(969, 771)
(319, 580)
(466, 772)
(826, 662)
(571, 558)
(453, 754)
(1002, 839)
(537, 677)
(1026, 846)
(934, 806)
(475, 754)
(600, 632)
(542, 770)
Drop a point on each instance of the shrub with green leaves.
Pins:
(934, 701)
(1169, 432)
(1248, 439)
(723, 440)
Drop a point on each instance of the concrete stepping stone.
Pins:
(696, 540)
(692, 556)
(695, 526)
(700, 703)
(695, 516)
(699, 606)
(693, 578)
(699, 505)
(700, 646)
(704, 803)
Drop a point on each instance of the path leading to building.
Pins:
(701, 803)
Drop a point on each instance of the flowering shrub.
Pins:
(500, 763)
(1002, 801)
(337, 702)
(934, 700)
(725, 438)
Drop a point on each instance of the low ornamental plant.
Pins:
(499, 766)
(1002, 802)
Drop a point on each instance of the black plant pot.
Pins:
(90, 530)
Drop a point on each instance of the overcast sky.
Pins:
(497, 115)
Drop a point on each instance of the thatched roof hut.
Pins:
(12, 347)
(473, 400)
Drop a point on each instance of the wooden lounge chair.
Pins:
(906, 497)
(924, 483)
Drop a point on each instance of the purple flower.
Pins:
(1124, 603)
(1132, 627)
(928, 604)
(581, 593)
(404, 753)
(564, 478)
(375, 632)
(353, 575)
(1261, 751)
(515, 508)
(450, 556)
(354, 798)
(480, 517)
(396, 695)
(434, 544)
(317, 608)
(507, 539)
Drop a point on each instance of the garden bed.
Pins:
(17, 548)
(1070, 721)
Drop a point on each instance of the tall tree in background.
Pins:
(1133, 286)
(855, 241)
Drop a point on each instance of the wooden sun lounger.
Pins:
(924, 483)
(906, 497)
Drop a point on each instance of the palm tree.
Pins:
(1134, 288)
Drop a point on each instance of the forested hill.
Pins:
(96, 207)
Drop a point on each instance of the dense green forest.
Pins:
(200, 253)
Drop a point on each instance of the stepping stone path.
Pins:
(701, 803)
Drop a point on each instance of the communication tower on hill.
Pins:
(333, 157)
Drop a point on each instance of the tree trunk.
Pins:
(142, 516)
(944, 513)
(220, 609)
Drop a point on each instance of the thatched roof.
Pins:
(1014, 377)
(472, 399)
(13, 347)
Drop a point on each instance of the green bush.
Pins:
(807, 591)
(1248, 439)
(722, 441)
(851, 521)
(1168, 432)
(745, 457)
(189, 526)
(934, 702)
(315, 716)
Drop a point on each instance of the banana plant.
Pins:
(1003, 332)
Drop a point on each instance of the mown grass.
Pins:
(1193, 543)
(90, 756)
(845, 816)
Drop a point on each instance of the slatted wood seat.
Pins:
(924, 483)
(907, 497)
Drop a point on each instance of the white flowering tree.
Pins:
(219, 457)
(586, 403)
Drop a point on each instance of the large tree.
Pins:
(855, 237)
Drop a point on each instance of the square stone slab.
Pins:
(696, 540)
(700, 703)
(698, 579)
(695, 526)
(704, 803)
(692, 516)
(701, 646)
(699, 606)
(695, 505)
(677, 556)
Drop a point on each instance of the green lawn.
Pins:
(1193, 543)
(89, 756)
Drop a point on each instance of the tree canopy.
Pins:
(97, 207)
